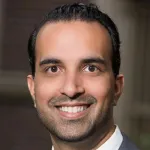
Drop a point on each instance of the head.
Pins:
(75, 81)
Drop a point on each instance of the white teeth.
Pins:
(70, 109)
(65, 109)
(73, 109)
(81, 109)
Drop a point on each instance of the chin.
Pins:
(73, 137)
(72, 133)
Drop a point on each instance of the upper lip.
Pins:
(71, 104)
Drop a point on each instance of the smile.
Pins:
(73, 109)
(72, 112)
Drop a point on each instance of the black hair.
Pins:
(82, 12)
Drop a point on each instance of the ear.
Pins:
(119, 84)
(30, 82)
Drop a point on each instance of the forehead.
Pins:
(72, 40)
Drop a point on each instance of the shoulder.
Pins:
(127, 144)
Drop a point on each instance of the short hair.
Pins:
(82, 12)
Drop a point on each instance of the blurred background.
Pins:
(20, 128)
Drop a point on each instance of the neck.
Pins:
(93, 142)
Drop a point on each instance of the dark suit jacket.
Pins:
(127, 144)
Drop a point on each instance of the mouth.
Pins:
(74, 109)
(73, 112)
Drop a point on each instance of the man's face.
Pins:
(74, 87)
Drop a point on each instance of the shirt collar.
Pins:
(113, 143)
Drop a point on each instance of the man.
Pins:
(75, 82)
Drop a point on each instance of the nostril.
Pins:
(75, 96)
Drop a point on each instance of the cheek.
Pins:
(45, 89)
(99, 87)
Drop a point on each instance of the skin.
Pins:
(73, 67)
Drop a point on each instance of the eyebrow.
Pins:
(93, 60)
(83, 61)
(49, 61)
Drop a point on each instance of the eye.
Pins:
(91, 68)
(52, 69)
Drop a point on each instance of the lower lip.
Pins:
(73, 116)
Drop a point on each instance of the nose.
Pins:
(72, 86)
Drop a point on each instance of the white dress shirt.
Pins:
(113, 143)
